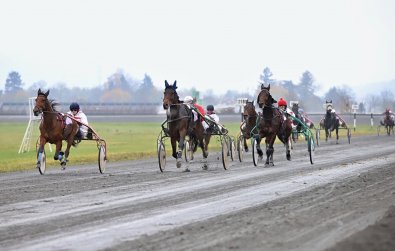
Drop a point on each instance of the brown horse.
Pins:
(388, 122)
(180, 123)
(52, 128)
(270, 124)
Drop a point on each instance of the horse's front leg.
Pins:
(326, 135)
(40, 151)
(269, 151)
(337, 135)
(258, 147)
(181, 145)
(173, 147)
(287, 149)
(245, 144)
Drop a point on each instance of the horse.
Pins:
(249, 122)
(331, 122)
(52, 128)
(300, 114)
(181, 122)
(270, 124)
(388, 122)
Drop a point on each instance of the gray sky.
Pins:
(209, 44)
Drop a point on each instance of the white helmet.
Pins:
(188, 100)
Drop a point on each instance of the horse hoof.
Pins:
(205, 167)
(178, 163)
(289, 157)
(186, 170)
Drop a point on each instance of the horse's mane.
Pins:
(51, 102)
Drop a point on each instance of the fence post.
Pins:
(371, 120)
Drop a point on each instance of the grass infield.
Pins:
(125, 141)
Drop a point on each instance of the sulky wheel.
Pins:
(41, 162)
(255, 152)
(317, 137)
(349, 135)
(102, 159)
(161, 156)
(188, 151)
(240, 147)
(232, 148)
(225, 157)
(310, 148)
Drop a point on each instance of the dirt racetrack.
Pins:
(345, 201)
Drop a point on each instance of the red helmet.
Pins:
(282, 102)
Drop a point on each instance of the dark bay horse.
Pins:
(300, 114)
(180, 121)
(388, 122)
(249, 122)
(331, 122)
(270, 124)
(52, 128)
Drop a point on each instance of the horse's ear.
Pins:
(46, 94)
(268, 87)
(39, 91)
(175, 84)
(262, 86)
(166, 84)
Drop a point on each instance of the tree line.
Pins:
(122, 88)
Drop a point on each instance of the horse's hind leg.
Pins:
(58, 154)
(66, 153)
(337, 135)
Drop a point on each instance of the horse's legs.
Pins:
(337, 134)
(67, 152)
(258, 147)
(245, 144)
(269, 151)
(58, 155)
(173, 147)
(204, 144)
(181, 148)
(326, 134)
(40, 150)
(287, 150)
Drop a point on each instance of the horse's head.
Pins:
(329, 106)
(249, 110)
(41, 102)
(295, 108)
(264, 97)
(170, 95)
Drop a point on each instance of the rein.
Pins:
(173, 120)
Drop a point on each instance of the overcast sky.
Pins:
(208, 44)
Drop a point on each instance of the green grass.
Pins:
(125, 141)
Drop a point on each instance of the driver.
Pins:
(80, 116)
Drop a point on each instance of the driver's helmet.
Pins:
(188, 100)
(74, 106)
(282, 102)
(387, 110)
(210, 108)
